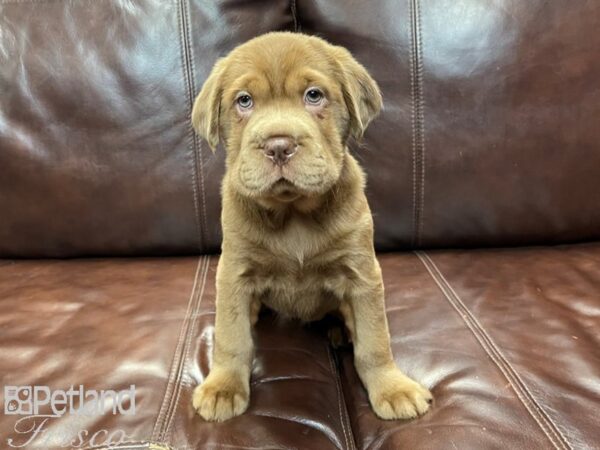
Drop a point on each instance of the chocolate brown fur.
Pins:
(297, 236)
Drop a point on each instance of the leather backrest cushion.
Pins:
(97, 153)
(491, 128)
(489, 134)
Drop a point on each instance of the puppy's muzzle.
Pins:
(279, 149)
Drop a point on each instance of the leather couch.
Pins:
(484, 180)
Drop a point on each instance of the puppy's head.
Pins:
(284, 105)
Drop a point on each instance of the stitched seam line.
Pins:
(347, 419)
(536, 411)
(294, 11)
(411, 59)
(421, 119)
(185, 366)
(171, 401)
(520, 388)
(176, 362)
(197, 141)
(189, 88)
(343, 411)
(195, 147)
(417, 119)
(337, 388)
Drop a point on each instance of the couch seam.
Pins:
(412, 122)
(337, 389)
(177, 354)
(342, 409)
(188, 69)
(197, 141)
(417, 120)
(537, 412)
(189, 89)
(294, 11)
(184, 370)
(422, 122)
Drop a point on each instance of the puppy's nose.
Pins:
(279, 149)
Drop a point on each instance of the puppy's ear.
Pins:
(205, 114)
(361, 93)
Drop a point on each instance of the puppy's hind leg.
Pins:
(255, 306)
(348, 316)
(338, 336)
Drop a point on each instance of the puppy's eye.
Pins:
(313, 96)
(244, 100)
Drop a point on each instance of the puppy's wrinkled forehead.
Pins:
(278, 66)
(277, 69)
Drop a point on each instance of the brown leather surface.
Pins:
(539, 311)
(110, 323)
(97, 153)
(379, 39)
(511, 99)
(506, 339)
(488, 136)
(103, 324)
(93, 130)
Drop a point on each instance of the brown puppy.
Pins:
(297, 229)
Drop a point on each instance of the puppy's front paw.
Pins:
(399, 397)
(223, 395)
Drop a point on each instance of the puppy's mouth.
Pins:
(284, 190)
(303, 175)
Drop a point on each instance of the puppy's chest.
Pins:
(301, 290)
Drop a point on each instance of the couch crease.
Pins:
(166, 409)
(550, 429)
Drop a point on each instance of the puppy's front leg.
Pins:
(392, 394)
(226, 392)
